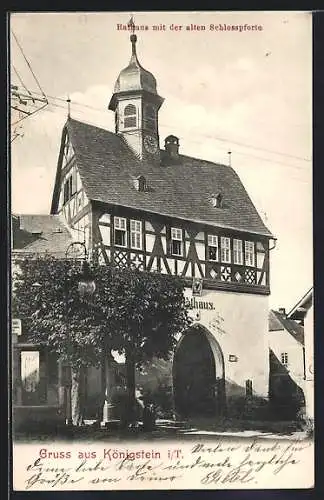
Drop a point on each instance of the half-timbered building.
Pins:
(156, 209)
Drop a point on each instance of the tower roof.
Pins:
(134, 76)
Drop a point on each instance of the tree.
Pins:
(136, 313)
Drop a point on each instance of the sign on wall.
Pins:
(16, 327)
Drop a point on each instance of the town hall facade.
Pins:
(158, 210)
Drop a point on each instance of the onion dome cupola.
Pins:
(136, 103)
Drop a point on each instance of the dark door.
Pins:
(194, 377)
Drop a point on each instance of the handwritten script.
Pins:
(214, 465)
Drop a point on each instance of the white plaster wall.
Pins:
(150, 239)
(239, 322)
(200, 250)
(281, 341)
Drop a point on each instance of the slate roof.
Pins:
(107, 167)
(279, 322)
(40, 234)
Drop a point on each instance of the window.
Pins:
(249, 253)
(217, 200)
(176, 241)
(150, 117)
(225, 250)
(136, 234)
(238, 251)
(120, 232)
(284, 358)
(212, 247)
(140, 183)
(130, 116)
(68, 189)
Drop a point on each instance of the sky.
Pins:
(248, 92)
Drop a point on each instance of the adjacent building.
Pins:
(287, 364)
(303, 313)
(38, 377)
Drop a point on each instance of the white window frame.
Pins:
(237, 251)
(212, 241)
(120, 225)
(136, 234)
(176, 235)
(225, 250)
(249, 248)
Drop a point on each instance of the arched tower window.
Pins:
(150, 117)
(130, 116)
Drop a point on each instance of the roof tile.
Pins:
(107, 166)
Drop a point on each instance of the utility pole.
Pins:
(24, 102)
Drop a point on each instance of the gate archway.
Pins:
(198, 375)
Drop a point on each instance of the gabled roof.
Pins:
(39, 234)
(107, 167)
(280, 322)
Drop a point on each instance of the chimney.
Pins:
(282, 311)
(171, 146)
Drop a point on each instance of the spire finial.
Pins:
(229, 158)
(133, 37)
(69, 106)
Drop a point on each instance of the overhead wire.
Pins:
(28, 64)
(213, 137)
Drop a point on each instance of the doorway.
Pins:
(198, 375)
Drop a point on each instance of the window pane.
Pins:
(238, 251)
(212, 240)
(176, 247)
(130, 121)
(130, 109)
(225, 250)
(120, 223)
(249, 253)
(176, 234)
(120, 238)
(213, 253)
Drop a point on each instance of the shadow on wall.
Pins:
(287, 399)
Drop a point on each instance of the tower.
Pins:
(136, 103)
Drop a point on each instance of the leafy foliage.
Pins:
(130, 311)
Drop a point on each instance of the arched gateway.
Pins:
(198, 375)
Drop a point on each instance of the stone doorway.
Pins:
(198, 375)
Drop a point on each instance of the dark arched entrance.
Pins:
(198, 375)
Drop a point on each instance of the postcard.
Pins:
(162, 288)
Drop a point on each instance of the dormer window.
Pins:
(130, 116)
(140, 183)
(217, 200)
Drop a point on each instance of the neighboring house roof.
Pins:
(39, 234)
(280, 322)
(299, 311)
(108, 166)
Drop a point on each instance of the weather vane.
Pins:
(131, 24)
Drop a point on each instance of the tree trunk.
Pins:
(130, 381)
(77, 395)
